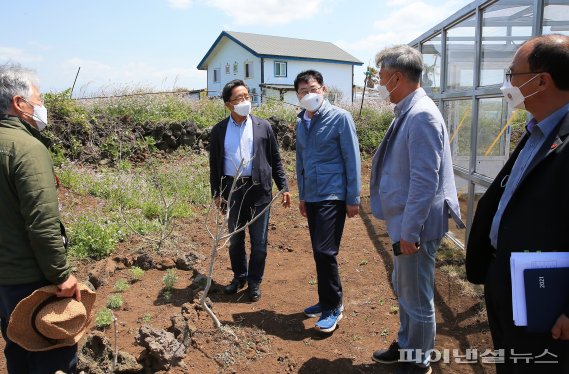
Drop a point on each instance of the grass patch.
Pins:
(93, 237)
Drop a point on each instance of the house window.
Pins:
(227, 68)
(217, 75)
(248, 70)
(235, 68)
(280, 69)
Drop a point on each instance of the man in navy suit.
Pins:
(243, 146)
(525, 208)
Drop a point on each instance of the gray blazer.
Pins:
(412, 181)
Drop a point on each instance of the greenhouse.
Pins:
(465, 58)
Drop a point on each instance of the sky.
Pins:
(157, 44)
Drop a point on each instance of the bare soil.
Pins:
(273, 336)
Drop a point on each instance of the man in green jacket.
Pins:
(32, 252)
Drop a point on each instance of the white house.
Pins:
(269, 64)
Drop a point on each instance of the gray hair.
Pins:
(15, 80)
(404, 58)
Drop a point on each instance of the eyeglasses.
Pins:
(240, 99)
(509, 73)
(308, 90)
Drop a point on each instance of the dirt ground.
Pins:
(273, 336)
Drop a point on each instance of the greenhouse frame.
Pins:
(465, 58)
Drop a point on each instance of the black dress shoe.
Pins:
(254, 291)
(236, 284)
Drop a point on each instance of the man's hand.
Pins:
(286, 199)
(302, 208)
(408, 248)
(69, 288)
(352, 210)
(561, 328)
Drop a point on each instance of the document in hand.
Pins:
(547, 293)
(520, 261)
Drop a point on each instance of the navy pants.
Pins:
(21, 361)
(243, 209)
(326, 223)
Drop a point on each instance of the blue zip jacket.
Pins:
(328, 156)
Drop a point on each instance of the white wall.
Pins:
(337, 75)
(228, 52)
(274, 94)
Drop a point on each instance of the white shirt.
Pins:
(238, 146)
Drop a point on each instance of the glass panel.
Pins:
(460, 54)
(518, 120)
(431, 51)
(505, 26)
(493, 136)
(458, 117)
(556, 17)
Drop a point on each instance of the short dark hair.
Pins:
(307, 75)
(551, 54)
(228, 89)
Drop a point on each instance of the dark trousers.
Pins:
(21, 361)
(518, 345)
(326, 224)
(243, 210)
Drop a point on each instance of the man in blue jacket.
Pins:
(328, 173)
(412, 188)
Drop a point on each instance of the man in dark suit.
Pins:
(243, 146)
(525, 208)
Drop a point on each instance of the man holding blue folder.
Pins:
(525, 208)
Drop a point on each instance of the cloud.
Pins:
(100, 78)
(179, 4)
(17, 55)
(403, 22)
(272, 12)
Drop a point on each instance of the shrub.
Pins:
(170, 279)
(121, 285)
(372, 125)
(93, 238)
(136, 273)
(104, 318)
(147, 318)
(114, 301)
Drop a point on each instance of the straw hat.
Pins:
(43, 321)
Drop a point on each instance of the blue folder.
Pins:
(547, 294)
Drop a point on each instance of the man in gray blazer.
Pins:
(412, 188)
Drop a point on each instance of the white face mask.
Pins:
(383, 92)
(39, 115)
(312, 101)
(514, 95)
(243, 108)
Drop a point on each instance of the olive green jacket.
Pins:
(31, 244)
